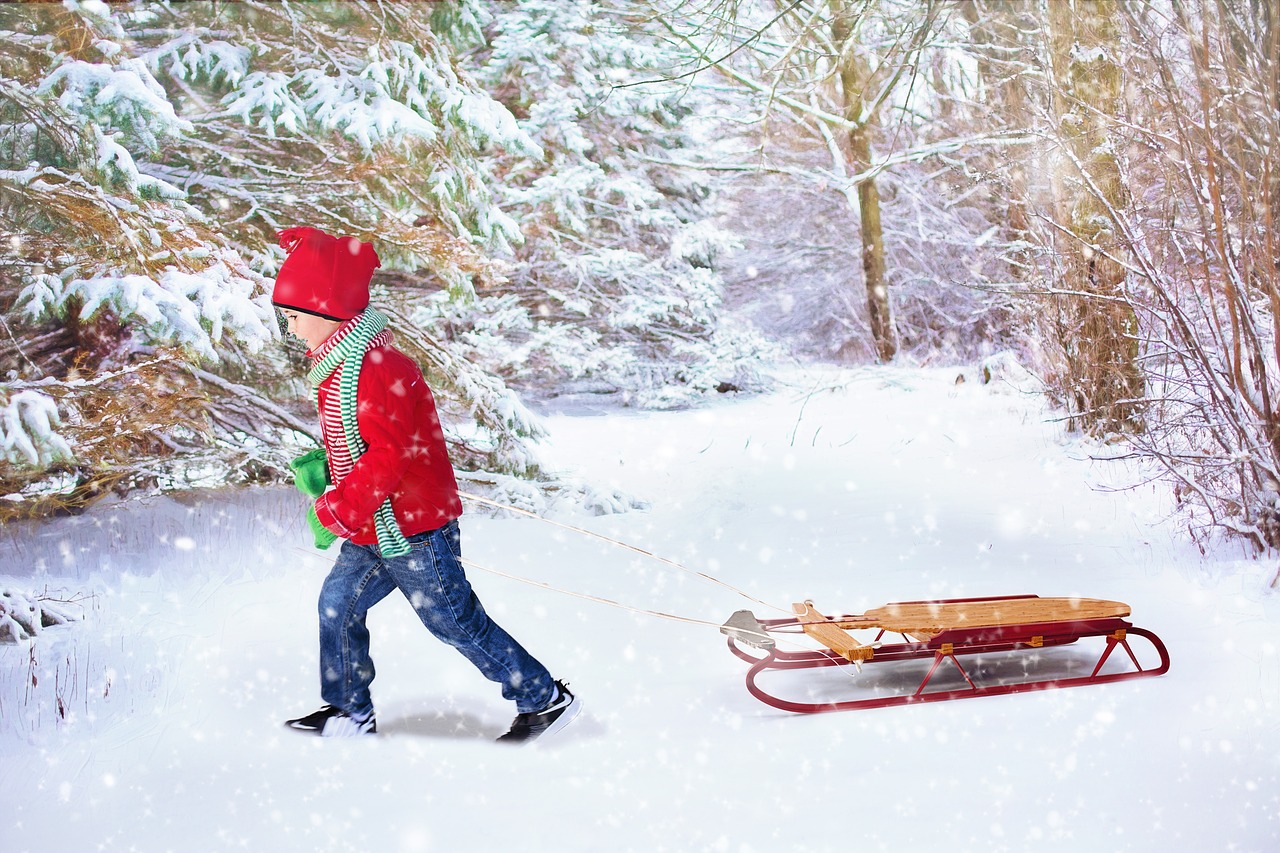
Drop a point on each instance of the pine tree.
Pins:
(147, 156)
(106, 271)
(615, 286)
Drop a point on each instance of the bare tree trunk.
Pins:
(1097, 325)
(854, 74)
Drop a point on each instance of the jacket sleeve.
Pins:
(386, 402)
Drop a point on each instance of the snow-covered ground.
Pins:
(155, 724)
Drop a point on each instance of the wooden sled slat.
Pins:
(824, 631)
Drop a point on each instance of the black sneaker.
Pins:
(334, 722)
(559, 713)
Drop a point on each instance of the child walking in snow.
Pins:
(384, 484)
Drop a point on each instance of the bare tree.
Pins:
(819, 76)
(1204, 134)
(854, 71)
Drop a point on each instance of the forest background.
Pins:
(652, 200)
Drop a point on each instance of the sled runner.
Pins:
(1009, 644)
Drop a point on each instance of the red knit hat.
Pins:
(323, 275)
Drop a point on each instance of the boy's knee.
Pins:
(446, 627)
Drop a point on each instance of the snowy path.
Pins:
(851, 489)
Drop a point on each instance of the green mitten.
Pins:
(311, 473)
(323, 536)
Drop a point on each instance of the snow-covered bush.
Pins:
(1004, 370)
(23, 615)
(1195, 232)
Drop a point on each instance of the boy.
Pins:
(393, 498)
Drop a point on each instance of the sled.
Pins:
(1010, 644)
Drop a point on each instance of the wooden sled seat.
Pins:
(934, 617)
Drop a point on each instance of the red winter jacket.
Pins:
(406, 456)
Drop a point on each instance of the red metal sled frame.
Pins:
(950, 645)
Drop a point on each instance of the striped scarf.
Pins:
(343, 354)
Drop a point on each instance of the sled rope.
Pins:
(587, 596)
(665, 561)
(688, 620)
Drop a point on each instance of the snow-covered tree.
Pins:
(357, 118)
(863, 236)
(102, 264)
(149, 152)
(617, 285)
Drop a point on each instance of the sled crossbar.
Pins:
(944, 631)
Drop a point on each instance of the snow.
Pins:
(126, 90)
(27, 429)
(155, 723)
(187, 309)
(188, 56)
(24, 615)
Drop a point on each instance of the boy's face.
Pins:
(310, 328)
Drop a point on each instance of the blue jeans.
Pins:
(432, 579)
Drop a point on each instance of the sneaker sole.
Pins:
(341, 728)
(569, 715)
(347, 727)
